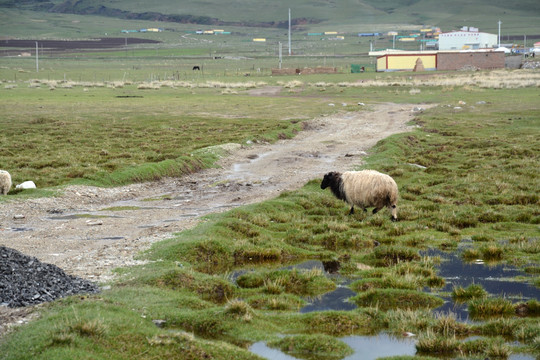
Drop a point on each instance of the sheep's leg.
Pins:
(352, 210)
(376, 210)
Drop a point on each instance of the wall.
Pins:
(480, 60)
(396, 62)
(317, 70)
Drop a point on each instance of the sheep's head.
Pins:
(329, 179)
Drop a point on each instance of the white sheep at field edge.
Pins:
(366, 188)
(5, 182)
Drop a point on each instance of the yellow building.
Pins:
(406, 60)
(407, 39)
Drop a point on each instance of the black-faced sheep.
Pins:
(366, 188)
(5, 182)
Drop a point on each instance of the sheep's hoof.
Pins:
(394, 219)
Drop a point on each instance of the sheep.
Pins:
(5, 182)
(364, 188)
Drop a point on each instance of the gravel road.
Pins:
(88, 231)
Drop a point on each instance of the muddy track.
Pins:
(89, 231)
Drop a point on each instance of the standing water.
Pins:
(497, 280)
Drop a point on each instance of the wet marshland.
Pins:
(497, 279)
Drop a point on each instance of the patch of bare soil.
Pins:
(89, 231)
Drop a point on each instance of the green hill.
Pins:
(518, 18)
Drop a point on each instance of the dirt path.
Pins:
(80, 233)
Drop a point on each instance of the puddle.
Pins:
(82, 216)
(364, 347)
(497, 280)
(252, 159)
(334, 300)
(112, 238)
(18, 229)
(373, 347)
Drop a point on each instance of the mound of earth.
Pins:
(24, 280)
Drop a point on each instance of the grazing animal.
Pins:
(196, 67)
(366, 188)
(5, 182)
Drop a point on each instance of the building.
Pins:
(392, 60)
(406, 60)
(467, 39)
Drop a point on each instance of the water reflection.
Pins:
(373, 347)
(497, 280)
(364, 347)
(334, 300)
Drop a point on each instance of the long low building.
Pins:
(396, 60)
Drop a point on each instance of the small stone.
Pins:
(159, 323)
(94, 223)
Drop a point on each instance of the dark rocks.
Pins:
(24, 280)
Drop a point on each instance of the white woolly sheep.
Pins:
(5, 182)
(366, 188)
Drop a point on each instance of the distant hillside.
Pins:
(380, 15)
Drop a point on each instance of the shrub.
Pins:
(282, 302)
(447, 325)
(338, 323)
(313, 346)
(386, 299)
(211, 288)
(482, 308)
(437, 345)
(472, 291)
(491, 252)
(391, 255)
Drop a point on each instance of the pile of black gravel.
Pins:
(24, 280)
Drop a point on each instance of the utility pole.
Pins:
(37, 60)
(499, 39)
(289, 31)
(280, 53)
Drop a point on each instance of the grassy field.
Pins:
(467, 173)
(468, 179)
